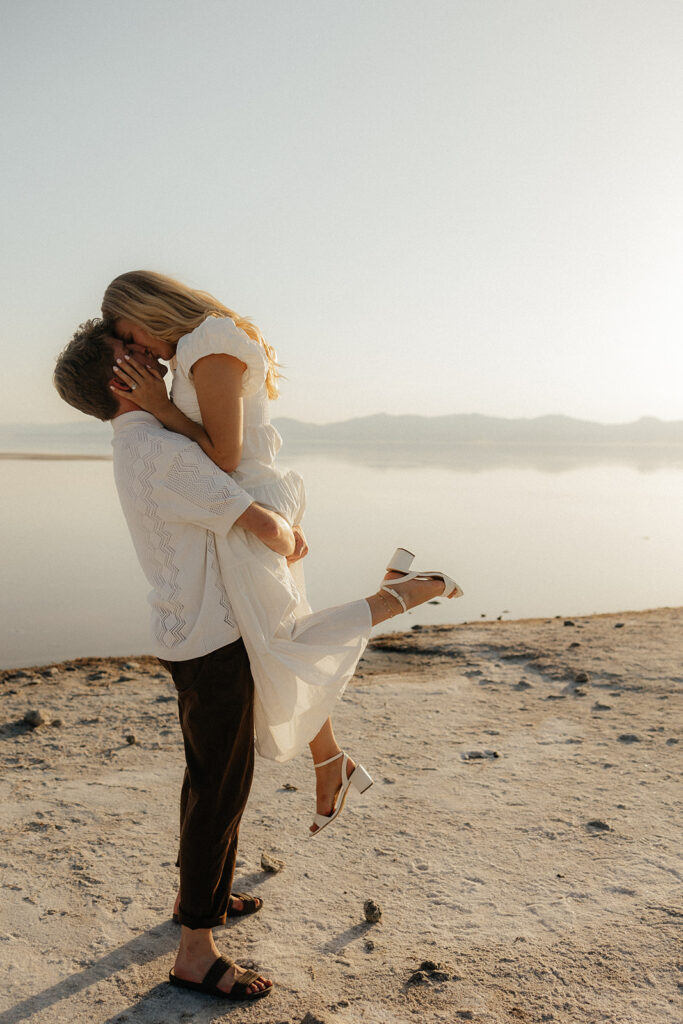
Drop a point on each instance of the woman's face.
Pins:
(138, 338)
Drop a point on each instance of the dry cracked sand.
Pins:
(521, 839)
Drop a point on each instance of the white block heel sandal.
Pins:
(359, 779)
(401, 561)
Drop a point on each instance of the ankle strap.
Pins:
(321, 764)
(395, 594)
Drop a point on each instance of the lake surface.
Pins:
(563, 533)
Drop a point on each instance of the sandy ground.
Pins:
(537, 882)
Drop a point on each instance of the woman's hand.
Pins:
(300, 545)
(145, 382)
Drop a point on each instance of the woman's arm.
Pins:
(218, 382)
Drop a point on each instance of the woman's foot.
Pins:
(328, 783)
(414, 592)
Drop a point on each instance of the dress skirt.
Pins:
(301, 661)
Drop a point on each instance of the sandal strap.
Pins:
(321, 764)
(248, 978)
(239, 988)
(251, 903)
(245, 897)
(216, 972)
(395, 593)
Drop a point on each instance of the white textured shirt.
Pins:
(175, 500)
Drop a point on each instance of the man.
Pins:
(175, 500)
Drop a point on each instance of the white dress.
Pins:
(300, 661)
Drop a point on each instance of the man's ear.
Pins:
(118, 385)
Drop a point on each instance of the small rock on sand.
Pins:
(372, 911)
(270, 863)
(629, 737)
(33, 719)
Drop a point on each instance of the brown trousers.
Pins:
(216, 710)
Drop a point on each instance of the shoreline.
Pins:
(378, 642)
(521, 837)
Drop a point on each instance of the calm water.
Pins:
(553, 538)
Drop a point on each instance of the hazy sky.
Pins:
(428, 206)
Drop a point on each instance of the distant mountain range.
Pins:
(473, 428)
(92, 438)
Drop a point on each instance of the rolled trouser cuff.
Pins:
(187, 921)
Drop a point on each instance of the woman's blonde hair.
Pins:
(168, 309)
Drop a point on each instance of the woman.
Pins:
(224, 376)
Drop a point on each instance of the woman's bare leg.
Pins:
(328, 779)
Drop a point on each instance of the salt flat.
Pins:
(521, 838)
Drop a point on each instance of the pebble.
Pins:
(581, 677)
(568, 622)
(33, 719)
(57, 723)
(270, 863)
(369, 945)
(372, 911)
(130, 738)
(628, 737)
(522, 685)
(619, 625)
(479, 755)
(670, 742)
(596, 825)
(601, 707)
(428, 970)
(289, 787)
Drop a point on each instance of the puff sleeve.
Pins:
(221, 336)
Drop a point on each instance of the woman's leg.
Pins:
(328, 778)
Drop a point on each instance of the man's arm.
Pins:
(197, 491)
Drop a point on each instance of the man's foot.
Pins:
(236, 905)
(328, 783)
(194, 967)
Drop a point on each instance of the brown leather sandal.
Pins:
(252, 905)
(209, 984)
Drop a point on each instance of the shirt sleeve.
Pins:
(194, 490)
(221, 336)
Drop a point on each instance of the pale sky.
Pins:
(428, 206)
